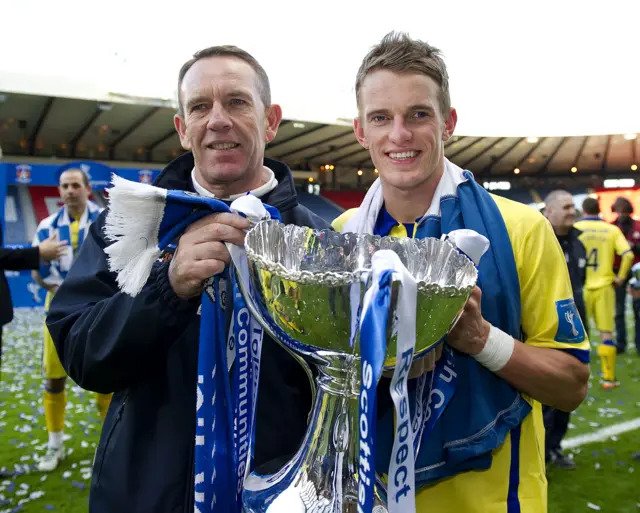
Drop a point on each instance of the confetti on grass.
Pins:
(24, 440)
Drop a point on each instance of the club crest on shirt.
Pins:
(570, 327)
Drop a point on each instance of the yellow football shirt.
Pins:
(603, 241)
(74, 229)
(517, 474)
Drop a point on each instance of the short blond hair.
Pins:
(400, 53)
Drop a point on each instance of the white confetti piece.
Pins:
(24, 486)
(597, 466)
(36, 495)
(20, 493)
(66, 475)
(84, 444)
(590, 505)
(85, 462)
(43, 479)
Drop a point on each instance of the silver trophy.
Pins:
(306, 290)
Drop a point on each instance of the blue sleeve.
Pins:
(19, 259)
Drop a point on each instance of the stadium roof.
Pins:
(47, 126)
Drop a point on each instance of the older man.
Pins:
(145, 348)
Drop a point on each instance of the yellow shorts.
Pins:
(51, 365)
(600, 304)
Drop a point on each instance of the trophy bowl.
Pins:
(306, 289)
(308, 285)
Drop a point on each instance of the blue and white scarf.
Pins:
(142, 221)
(54, 272)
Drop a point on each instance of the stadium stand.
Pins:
(319, 205)
(15, 230)
(345, 199)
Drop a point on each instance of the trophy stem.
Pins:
(323, 476)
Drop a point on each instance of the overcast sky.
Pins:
(517, 68)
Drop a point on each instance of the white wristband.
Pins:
(497, 351)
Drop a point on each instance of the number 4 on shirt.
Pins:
(592, 259)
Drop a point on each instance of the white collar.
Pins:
(447, 186)
(259, 192)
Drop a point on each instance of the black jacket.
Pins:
(576, 257)
(145, 349)
(13, 260)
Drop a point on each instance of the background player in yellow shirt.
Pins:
(603, 241)
(70, 224)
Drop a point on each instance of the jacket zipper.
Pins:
(108, 440)
(190, 494)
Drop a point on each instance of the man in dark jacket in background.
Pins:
(145, 348)
(560, 210)
(631, 229)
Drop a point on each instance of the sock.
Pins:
(607, 353)
(54, 407)
(55, 439)
(103, 401)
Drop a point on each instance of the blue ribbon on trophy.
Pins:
(430, 402)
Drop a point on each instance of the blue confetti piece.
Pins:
(594, 454)
(49, 507)
(609, 451)
(13, 442)
(78, 485)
